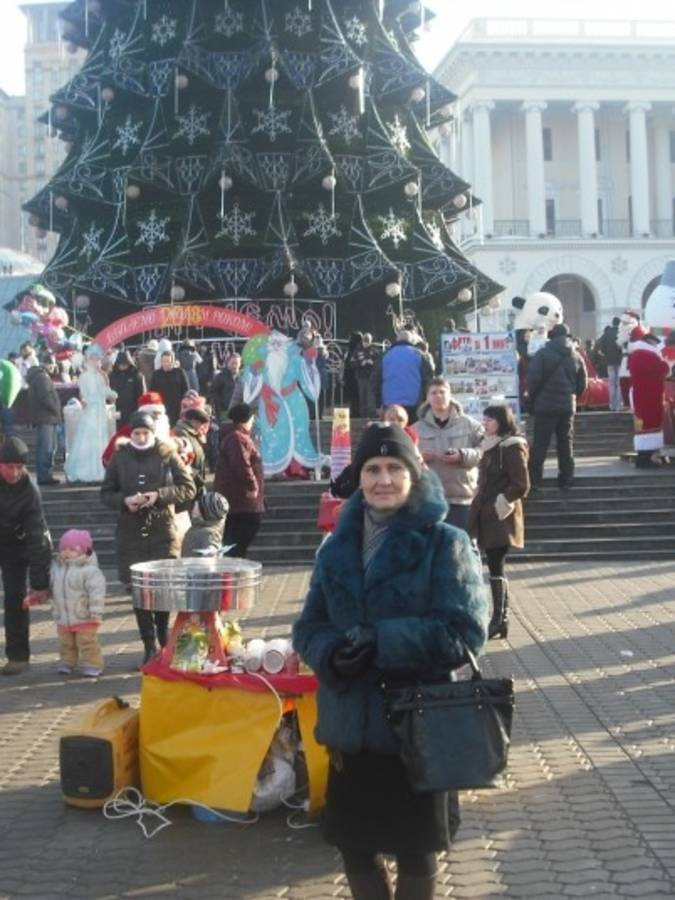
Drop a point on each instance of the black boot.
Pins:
(499, 623)
(162, 628)
(373, 885)
(415, 887)
(644, 460)
(146, 629)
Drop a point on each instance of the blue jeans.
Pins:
(44, 451)
(615, 399)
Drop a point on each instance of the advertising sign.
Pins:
(482, 369)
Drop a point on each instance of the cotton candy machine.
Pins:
(205, 593)
(196, 585)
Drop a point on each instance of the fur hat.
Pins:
(151, 402)
(75, 539)
(142, 419)
(385, 439)
(13, 450)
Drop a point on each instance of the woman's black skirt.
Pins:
(370, 806)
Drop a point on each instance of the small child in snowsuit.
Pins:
(78, 588)
(205, 536)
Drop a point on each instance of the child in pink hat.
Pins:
(77, 588)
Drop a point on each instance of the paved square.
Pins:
(589, 811)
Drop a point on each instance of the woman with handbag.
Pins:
(395, 597)
(496, 518)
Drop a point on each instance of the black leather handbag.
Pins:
(453, 735)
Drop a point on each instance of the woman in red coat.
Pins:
(239, 477)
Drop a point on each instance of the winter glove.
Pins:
(350, 661)
(503, 508)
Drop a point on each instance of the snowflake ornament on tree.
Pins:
(322, 225)
(127, 135)
(298, 22)
(193, 124)
(152, 231)
(393, 228)
(272, 122)
(399, 135)
(164, 30)
(356, 31)
(236, 225)
(118, 42)
(91, 245)
(344, 125)
(229, 22)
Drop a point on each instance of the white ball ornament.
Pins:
(418, 95)
(494, 303)
(182, 81)
(177, 292)
(464, 295)
(291, 289)
(225, 182)
(393, 289)
(411, 189)
(329, 182)
(355, 81)
(133, 191)
(60, 113)
(271, 75)
(82, 301)
(460, 201)
(61, 202)
(107, 95)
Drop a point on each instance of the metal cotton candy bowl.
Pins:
(196, 585)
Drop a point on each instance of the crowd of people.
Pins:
(397, 593)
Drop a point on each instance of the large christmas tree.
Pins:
(231, 149)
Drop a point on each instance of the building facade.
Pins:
(566, 130)
(31, 155)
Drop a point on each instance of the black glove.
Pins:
(350, 660)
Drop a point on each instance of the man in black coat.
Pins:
(46, 415)
(171, 382)
(25, 551)
(556, 377)
(223, 385)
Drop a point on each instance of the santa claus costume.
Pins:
(648, 371)
(152, 403)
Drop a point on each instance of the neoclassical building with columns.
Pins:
(566, 130)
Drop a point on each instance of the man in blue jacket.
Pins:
(403, 375)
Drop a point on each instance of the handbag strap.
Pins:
(476, 675)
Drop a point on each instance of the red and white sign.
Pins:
(156, 318)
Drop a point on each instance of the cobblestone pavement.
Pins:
(588, 812)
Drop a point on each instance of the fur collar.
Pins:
(403, 549)
(165, 450)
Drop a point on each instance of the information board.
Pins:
(482, 369)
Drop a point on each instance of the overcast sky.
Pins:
(452, 18)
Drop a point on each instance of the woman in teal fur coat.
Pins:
(395, 595)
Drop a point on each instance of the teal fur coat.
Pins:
(423, 594)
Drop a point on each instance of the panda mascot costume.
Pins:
(535, 316)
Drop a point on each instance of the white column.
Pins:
(588, 171)
(536, 194)
(466, 150)
(639, 165)
(482, 156)
(663, 182)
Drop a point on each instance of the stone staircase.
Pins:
(610, 517)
